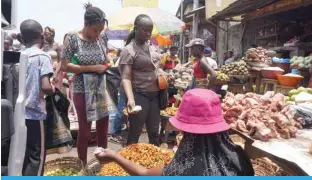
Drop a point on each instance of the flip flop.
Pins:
(116, 139)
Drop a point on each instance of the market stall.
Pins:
(268, 124)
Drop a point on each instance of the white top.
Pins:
(212, 63)
(229, 60)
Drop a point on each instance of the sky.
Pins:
(67, 15)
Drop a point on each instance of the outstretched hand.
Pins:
(105, 155)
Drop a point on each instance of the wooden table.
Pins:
(255, 76)
(255, 152)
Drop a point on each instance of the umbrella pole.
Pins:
(181, 35)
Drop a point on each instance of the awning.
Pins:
(240, 7)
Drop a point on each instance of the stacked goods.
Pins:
(300, 95)
(300, 62)
(235, 68)
(146, 155)
(221, 78)
(170, 111)
(265, 117)
(259, 55)
(182, 75)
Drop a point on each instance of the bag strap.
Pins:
(100, 44)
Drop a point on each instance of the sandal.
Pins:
(116, 139)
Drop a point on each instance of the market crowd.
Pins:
(206, 145)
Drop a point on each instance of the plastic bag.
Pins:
(57, 123)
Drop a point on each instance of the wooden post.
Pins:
(181, 35)
(195, 19)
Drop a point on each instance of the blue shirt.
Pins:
(39, 65)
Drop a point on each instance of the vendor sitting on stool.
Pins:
(169, 61)
(206, 148)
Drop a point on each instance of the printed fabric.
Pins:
(39, 65)
(209, 155)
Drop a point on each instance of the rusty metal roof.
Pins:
(241, 7)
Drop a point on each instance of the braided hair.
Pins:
(136, 21)
(94, 15)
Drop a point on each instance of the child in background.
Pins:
(39, 72)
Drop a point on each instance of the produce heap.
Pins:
(62, 172)
(146, 155)
(221, 78)
(258, 54)
(299, 95)
(265, 117)
(235, 68)
(170, 111)
(182, 75)
(300, 62)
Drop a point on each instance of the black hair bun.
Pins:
(87, 5)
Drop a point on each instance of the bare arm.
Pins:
(135, 169)
(77, 69)
(208, 70)
(107, 155)
(46, 87)
(126, 82)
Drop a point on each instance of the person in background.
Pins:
(55, 50)
(201, 66)
(254, 45)
(8, 43)
(116, 122)
(212, 62)
(18, 44)
(39, 71)
(229, 57)
(206, 148)
(139, 62)
(88, 47)
(170, 60)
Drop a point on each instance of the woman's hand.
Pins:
(105, 155)
(130, 104)
(100, 69)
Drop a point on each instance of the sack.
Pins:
(57, 122)
(98, 101)
(163, 99)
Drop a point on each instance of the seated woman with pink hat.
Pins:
(206, 148)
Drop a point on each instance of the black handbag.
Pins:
(163, 99)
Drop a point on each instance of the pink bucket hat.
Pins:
(200, 112)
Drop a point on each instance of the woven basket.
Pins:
(265, 167)
(65, 163)
(92, 168)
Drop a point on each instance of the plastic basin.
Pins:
(291, 81)
(284, 66)
(271, 74)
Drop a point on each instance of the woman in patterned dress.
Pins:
(206, 148)
(89, 46)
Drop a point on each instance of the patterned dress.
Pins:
(88, 53)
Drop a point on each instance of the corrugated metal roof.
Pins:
(240, 7)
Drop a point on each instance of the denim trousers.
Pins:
(115, 118)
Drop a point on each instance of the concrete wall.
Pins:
(222, 40)
(234, 38)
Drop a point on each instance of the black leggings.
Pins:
(150, 115)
